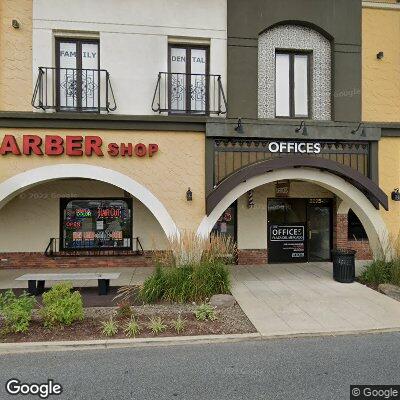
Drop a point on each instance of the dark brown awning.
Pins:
(361, 182)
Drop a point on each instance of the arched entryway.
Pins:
(362, 195)
(23, 181)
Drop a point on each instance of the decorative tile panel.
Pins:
(295, 37)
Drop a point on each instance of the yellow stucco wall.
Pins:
(15, 55)
(380, 78)
(389, 178)
(179, 164)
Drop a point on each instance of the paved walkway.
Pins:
(285, 299)
(291, 299)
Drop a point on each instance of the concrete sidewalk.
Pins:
(291, 299)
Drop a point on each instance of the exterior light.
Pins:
(396, 195)
(15, 24)
(380, 55)
(189, 195)
(302, 128)
(360, 126)
(239, 126)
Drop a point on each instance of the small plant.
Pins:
(16, 311)
(124, 310)
(61, 305)
(156, 325)
(205, 312)
(153, 287)
(179, 324)
(132, 328)
(110, 327)
(379, 271)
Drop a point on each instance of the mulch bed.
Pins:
(230, 320)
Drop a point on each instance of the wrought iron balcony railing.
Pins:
(71, 89)
(194, 94)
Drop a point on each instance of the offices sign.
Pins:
(75, 146)
(295, 147)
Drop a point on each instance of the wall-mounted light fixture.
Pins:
(359, 127)
(380, 55)
(302, 128)
(189, 195)
(15, 24)
(396, 195)
(239, 126)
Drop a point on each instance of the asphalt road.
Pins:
(307, 368)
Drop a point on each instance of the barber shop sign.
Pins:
(74, 146)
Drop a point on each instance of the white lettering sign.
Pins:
(295, 147)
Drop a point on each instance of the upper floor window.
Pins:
(294, 73)
(291, 84)
(77, 74)
(188, 80)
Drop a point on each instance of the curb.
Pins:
(102, 344)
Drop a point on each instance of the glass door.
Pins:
(319, 216)
(77, 75)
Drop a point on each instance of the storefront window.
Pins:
(355, 229)
(96, 223)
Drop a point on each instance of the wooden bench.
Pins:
(40, 278)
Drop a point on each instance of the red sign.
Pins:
(54, 145)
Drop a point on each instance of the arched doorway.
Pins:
(359, 192)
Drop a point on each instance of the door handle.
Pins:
(309, 234)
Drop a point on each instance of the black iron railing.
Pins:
(194, 94)
(53, 250)
(71, 89)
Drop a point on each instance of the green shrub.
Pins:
(179, 324)
(377, 272)
(110, 328)
(61, 305)
(132, 328)
(153, 287)
(16, 311)
(183, 284)
(205, 312)
(395, 273)
(156, 325)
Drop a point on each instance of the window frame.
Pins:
(357, 224)
(188, 68)
(292, 53)
(78, 42)
(62, 205)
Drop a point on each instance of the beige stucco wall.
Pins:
(29, 220)
(252, 222)
(179, 164)
(380, 78)
(389, 179)
(15, 55)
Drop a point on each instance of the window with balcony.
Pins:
(76, 83)
(294, 73)
(188, 88)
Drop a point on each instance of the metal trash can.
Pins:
(344, 265)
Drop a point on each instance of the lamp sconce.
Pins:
(15, 24)
(380, 55)
(239, 126)
(302, 128)
(360, 126)
(396, 195)
(189, 195)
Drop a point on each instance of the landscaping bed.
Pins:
(229, 320)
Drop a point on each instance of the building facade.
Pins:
(123, 124)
